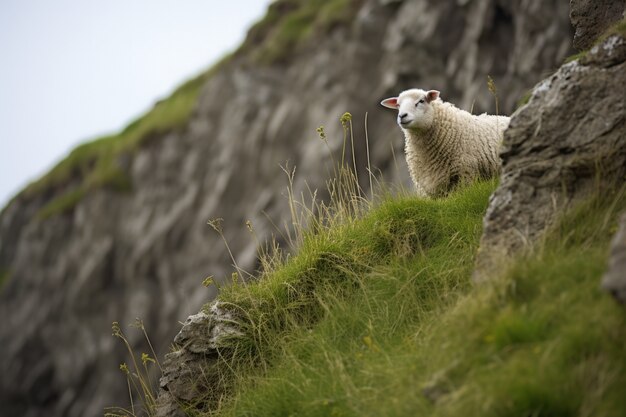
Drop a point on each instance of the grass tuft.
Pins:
(140, 376)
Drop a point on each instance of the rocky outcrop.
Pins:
(567, 142)
(117, 256)
(591, 18)
(187, 372)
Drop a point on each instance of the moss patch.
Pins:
(4, 277)
(289, 24)
(62, 204)
(618, 28)
(523, 100)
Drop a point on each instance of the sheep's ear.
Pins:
(391, 103)
(432, 95)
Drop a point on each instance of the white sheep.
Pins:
(445, 145)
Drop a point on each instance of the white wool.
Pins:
(445, 145)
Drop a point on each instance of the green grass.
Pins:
(290, 23)
(575, 57)
(62, 204)
(377, 317)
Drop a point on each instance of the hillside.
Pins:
(485, 302)
(119, 229)
(376, 317)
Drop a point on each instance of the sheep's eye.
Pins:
(419, 102)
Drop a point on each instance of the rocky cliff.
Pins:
(113, 255)
(566, 143)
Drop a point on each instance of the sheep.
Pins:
(445, 145)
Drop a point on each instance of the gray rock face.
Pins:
(187, 371)
(205, 332)
(591, 18)
(568, 140)
(614, 280)
(144, 254)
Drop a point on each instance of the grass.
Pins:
(544, 340)
(375, 314)
(62, 204)
(346, 266)
(291, 23)
(377, 317)
(349, 298)
(140, 379)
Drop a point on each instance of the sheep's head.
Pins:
(415, 110)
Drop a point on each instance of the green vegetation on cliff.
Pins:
(377, 316)
(99, 163)
(288, 24)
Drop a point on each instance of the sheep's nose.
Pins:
(402, 116)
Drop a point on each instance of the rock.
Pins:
(614, 280)
(187, 372)
(204, 332)
(566, 142)
(167, 406)
(591, 18)
(118, 256)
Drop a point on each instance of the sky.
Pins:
(74, 70)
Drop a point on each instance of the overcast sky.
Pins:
(72, 70)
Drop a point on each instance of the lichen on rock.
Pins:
(187, 372)
(591, 18)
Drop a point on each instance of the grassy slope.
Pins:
(377, 317)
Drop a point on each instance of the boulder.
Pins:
(568, 140)
(188, 371)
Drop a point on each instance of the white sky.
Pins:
(72, 70)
